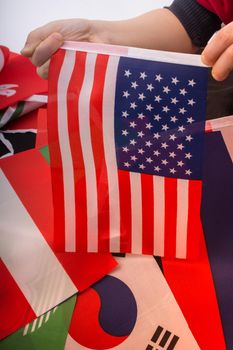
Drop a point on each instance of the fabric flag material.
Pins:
(118, 118)
(217, 217)
(42, 130)
(21, 108)
(193, 287)
(132, 308)
(49, 331)
(19, 81)
(24, 133)
(27, 257)
(4, 54)
(29, 175)
(208, 294)
(225, 126)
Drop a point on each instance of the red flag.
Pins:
(193, 287)
(98, 205)
(4, 54)
(28, 174)
(19, 80)
(203, 291)
(19, 87)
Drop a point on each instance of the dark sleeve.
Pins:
(199, 23)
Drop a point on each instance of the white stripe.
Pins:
(31, 106)
(6, 143)
(159, 215)
(15, 131)
(227, 134)
(167, 57)
(85, 137)
(134, 52)
(7, 115)
(219, 123)
(26, 329)
(53, 289)
(34, 325)
(27, 255)
(55, 309)
(6, 155)
(40, 321)
(110, 153)
(136, 205)
(182, 217)
(37, 98)
(67, 163)
(47, 316)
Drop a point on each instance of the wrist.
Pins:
(100, 31)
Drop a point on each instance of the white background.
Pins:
(19, 17)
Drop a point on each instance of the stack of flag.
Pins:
(115, 207)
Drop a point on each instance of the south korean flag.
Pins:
(132, 308)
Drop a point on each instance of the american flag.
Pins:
(126, 138)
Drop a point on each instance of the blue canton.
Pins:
(160, 118)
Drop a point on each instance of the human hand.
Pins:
(157, 30)
(42, 42)
(219, 53)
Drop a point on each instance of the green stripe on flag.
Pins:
(15, 114)
(19, 110)
(45, 152)
(47, 332)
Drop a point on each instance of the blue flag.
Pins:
(217, 204)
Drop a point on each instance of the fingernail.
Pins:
(26, 48)
(206, 60)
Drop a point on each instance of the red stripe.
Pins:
(42, 134)
(16, 312)
(125, 211)
(55, 154)
(96, 126)
(74, 89)
(193, 287)
(194, 228)
(170, 188)
(147, 214)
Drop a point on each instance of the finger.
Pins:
(43, 70)
(37, 36)
(217, 45)
(33, 40)
(46, 49)
(224, 65)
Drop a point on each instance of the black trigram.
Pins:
(163, 339)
